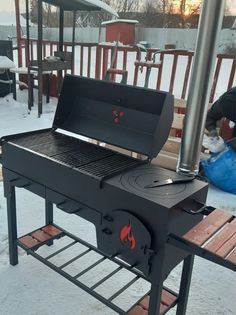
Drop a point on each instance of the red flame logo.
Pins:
(126, 236)
(117, 116)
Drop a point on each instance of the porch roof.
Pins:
(82, 5)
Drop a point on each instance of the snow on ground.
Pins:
(14, 117)
(31, 288)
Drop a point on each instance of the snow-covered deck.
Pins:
(30, 288)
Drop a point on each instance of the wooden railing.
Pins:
(94, 60)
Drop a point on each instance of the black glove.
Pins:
(213, 133)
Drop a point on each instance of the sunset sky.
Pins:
(8, 5)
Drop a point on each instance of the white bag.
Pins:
(213, 144)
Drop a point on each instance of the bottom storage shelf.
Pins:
(110, 280)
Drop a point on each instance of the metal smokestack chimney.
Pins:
(210, 24)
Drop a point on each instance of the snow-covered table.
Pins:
(5, 65)
(32, 74)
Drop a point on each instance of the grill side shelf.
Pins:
(214, 239)
(42, 236)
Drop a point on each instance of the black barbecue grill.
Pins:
(141, 212)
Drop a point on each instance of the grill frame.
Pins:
(76, 187)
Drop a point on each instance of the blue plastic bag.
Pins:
(220, 168)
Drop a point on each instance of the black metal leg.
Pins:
(49, 216)
(185, 285)
(40, 94)
(48, 87)
(59, 83)
(157, 284)
(30, 91)
(14, 86)
(12, 225)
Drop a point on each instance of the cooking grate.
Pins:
(109, 166)
(96, 161)
(28, 141)
(78, 158)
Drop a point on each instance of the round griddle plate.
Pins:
(136, 180)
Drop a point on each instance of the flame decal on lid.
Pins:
(126, 236)
(117, 115)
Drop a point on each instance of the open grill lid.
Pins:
(132, 118)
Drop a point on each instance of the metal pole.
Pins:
(73, 43)
(199, 90)
(61, 41)
(18, 33)
(40, 57)
(27, 51)
(61, 28)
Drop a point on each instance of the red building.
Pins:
(122, 30)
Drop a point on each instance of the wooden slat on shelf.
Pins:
(51, 230)
(232, 256)
(38, 237)
(138, 310)
(222, 237)
(145, 302)
(167, 300)
(216, 236)
(28, 241)
(227, 247)
(204, 230)
(41, 236)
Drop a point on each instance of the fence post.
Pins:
(98, 62)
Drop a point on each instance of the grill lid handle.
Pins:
(189, 207)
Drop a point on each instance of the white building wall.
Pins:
(182, 38)
(158, 38)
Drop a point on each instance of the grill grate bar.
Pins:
(109, 165)
(77, 160)
(105, 164)
(113, 168)
(29, 140)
